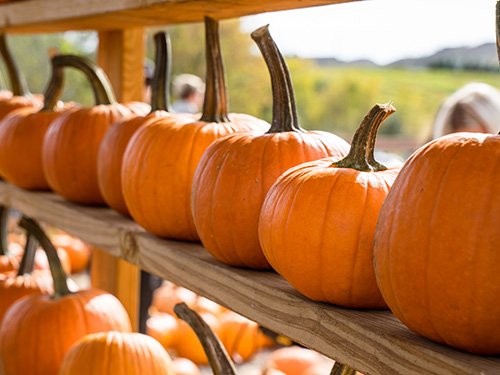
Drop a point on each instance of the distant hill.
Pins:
(483, 57)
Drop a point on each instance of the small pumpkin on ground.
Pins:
(9, 261)
(318, 221)
(79, 252)
(162, 327)
(115, 141)
(161, 158)
(117, 353)
(71, 143)
(21, 138)
(295, 360)
(26, 281)
(184, 366)
(38, 330)
(21, 97)
(236, 171)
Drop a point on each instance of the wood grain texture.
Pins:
(61, 15)
(373, 342)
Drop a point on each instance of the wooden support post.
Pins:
(121, 55)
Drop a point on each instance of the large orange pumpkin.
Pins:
(318, 221)
(114, 143)
(161, 158)
(21, 137)
(71, 144)
(117, 353)
(436, 247)
(21, 97)
(236, 171)
(25, 282)
(38, 330)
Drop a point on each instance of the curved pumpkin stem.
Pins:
(4, 217)
(54, 87)
(284, 109)
(58, 275)
(217, 355)
(103, 91)
(340, 369)
(160, 84)
(215, 105)
(360, 155)
(28, 260)
(17, 80)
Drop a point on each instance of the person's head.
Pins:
(473, 108)
(189, 87)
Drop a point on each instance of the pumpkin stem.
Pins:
(340, 369)
(28, 260)
(17, 80)
(4, 217)
(59, 277)
(103, 91)
(217, 355)
(285, 117)
(54, 87)
(360, 156)
(215, 103)
(160, 96)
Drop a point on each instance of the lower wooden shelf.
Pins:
(372, 342)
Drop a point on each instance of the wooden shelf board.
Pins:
(373, 342)
(61, 15)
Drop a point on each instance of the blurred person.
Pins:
(190, 90)
(473, 108)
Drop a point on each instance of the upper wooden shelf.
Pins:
(373, 342)
(61, 15)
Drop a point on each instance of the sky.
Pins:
(380, 30)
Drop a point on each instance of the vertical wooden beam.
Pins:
(121, 55)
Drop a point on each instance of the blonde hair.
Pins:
(473, 104)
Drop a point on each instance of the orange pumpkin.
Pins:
(25, 282)
(318, 221)
(168, 295)
(162, 327)
(293, 360)
(9, 261)
(117, 353)
(38, 330)
(114, 143)
(436, 257)
(160, 159)
(184, 366)
(21, 137)
(78, 251)
(71, 144)
(21, 96)
(236, 171)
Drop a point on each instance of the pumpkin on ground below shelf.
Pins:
(21, 97)
(38, 330)
(21, 137)
(79, 252)
(9, 261)
(162, 327)
(184, 366)
(160, 160)
(26, 281)
(117, 353)
(168, 295)
(295, 360)
(71, 143)
(114, 143)
(318, 221)
(236, 171)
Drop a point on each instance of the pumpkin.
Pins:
(163, 328)
(168, 295)
(109, 160)
(117, 353)
(79, 252)
(21, 97)
(184, 366)
(38, 330)
(9, 261)
(318, 221)
(71, 143)
(294, 360)
(436, 256)
(236, 171)
(161, 158)
(26, 281)
(21, 137)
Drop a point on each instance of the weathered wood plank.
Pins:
(373, 342)
(61, 15)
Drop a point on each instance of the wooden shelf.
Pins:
(373, 342)
(62, 15)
